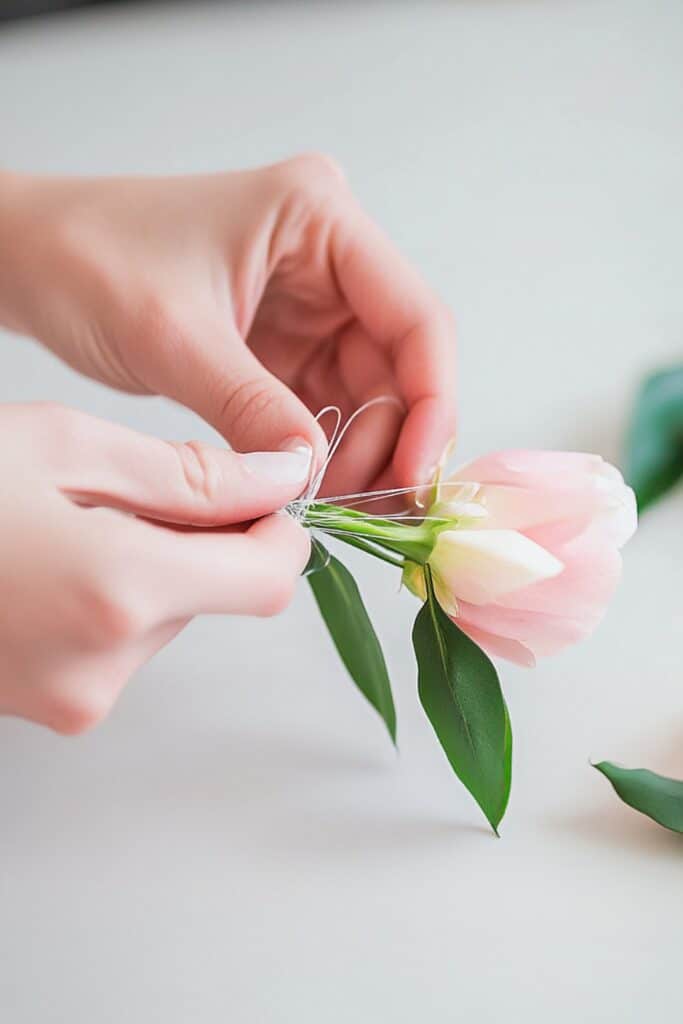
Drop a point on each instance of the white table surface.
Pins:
(238, 842)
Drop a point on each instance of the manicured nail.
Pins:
(284, 467)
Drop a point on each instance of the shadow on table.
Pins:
(622, 829)
(288, 796)
(617, 825)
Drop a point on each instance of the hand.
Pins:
(255, 298)
(87, 593)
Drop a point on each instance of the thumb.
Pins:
(248, 405)
(104, 464)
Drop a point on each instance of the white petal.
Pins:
(481, 565)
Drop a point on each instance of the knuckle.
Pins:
(107, 619)
(246, 405)
(320, 165)
(199, 472)
(312, 176)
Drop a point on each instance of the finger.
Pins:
(100, 463)
(364, 451)
(427, 432)
(369, 443)
(227, 385)
(400, 312)
(389, 504)
(84, 694)
(321, 384)
(163, 575)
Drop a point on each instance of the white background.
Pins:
(238, 842)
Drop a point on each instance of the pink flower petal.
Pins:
(520, 490)
(499, 646)
(524, 468)
(574, 508)
(583, 590)
(520, 508)
(541, 633)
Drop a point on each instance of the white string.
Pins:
(368, 496)
(338, 436)
(299, 507)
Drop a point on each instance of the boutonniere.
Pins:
(513, 556)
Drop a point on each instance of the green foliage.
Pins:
(654, 795)
(342, 608)
(654, 443)
(318, 559)
(460, 692)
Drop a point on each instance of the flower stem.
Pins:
(362, 545)
(413, 542)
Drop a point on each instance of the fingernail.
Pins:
(290, 466)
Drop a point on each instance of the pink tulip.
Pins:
(533, 557)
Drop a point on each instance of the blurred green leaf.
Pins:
(461, 694)
(654, 442)
(342, 608)
(654, 795)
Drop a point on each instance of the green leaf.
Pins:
(461, 694)
(318, 559)
(654, 443)
(654, 795)
(342, 608)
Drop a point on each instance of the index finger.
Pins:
(166, 574)
(401, 313)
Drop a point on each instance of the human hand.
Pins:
(254, 298)
(88, 594)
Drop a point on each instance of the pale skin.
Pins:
(254, 298)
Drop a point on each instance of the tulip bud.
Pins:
(533, 570)
(481, 565)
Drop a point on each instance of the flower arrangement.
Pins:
(513, 556)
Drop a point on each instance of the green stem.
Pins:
(413, 542)
(362, 545)
(429, 584)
